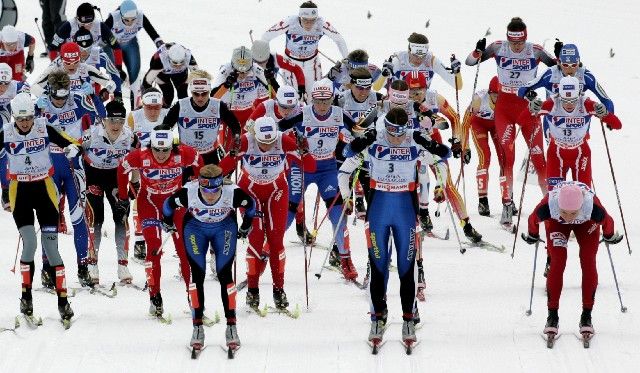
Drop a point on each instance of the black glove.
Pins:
(455, 65)
(231, 79)
(168, 225)
(123, 75)
(481, 44)
(466, 156)
(456, 147)
(557, 47)
(121, 209)
(438, 149)
(601, 110)
(530, 238)
(269, 74)
(236, 146)
(29, 64)
(613, 239)
(531, 95)
(301, 92)
(159, 43)
(335, 71)
(387, 67)
(243, 230)
(425, 219)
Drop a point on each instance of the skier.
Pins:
(96, 57)
(340, 73)
(569, 64)
(125, 22)
(321, 125)
(480, 117)
(161, 167)
(142, 121)
(64, 111)
(571, 206)
(169, 68)
(199, 118)
(12, 46)
(32, 188)
(264, 152)
(417, 57)
(393, 153)
(302, 37)
(210, 221)
(52, 17)
(102, 36)
(104, 146)
(273, 62)
(242, 86)
(517, 62)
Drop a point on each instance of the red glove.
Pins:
(612, 122)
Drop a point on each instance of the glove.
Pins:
(236, 146)
(6, 205)
(104, 94)
(348, 206)
(370, 135)
(231, 79)
(466, 156)
(110, 86)
(159, 43)
(557, 46)
(42, 101)
(245, 227)
(123, 75)
(531, 95)
(269, 74)
(535, 106)
(387, 68)
(601, 110)
(301, 92)
(530, 238)
(438, 194)
(29, 64)
(613, 239)
(168, 225)
(455, 65)
(425, 219)
(71, 151)
(335, 71)
(121, 208)
(481, 45)
(87, 88)
(456, 147)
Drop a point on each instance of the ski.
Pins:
(409, 346)
(431, 234)
(231, 350)
(166, 320)
(551, 338)
(361, 285)
(70, 292)
(285, 311)
(206, 321)
(98, 290)
(66, 324)
(260, 312)
(486, 245)
(16, 325)
(195, 350)
(509, 227)
(585, 337)
(315, 245)
(376, 344)
(131, 285)
(33, 321)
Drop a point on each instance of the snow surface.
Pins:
(474, 317)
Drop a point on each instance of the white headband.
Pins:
(152, 98)
(310, 13)
(418, 49)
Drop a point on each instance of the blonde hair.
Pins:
(199, 74)
(210, 170)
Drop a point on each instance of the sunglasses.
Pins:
(68, 63)
(199, 94)
(161, 150)
(569, 65)
(115, 120)
(128, 20)
(25, 119)
(210, 190)
(569, 100)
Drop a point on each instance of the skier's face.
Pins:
(3, 87)
(161, 154)
(114, 125)
(200, 98)
(395, 140)
(517, 46)
(210, 196)
(307, 23)
(24, 124)
(360, 93)
(569, 69)
(416, 59)
(568, 216)
(265, 147)
(10, 47)
(285, 111)
(417, 94)
(322, 106)
(71, 67)
(152, 111)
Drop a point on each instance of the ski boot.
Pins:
(123, 274)
(471, 233)
(155, 308)
(408, 332)
(585, 322)
(361, 210)
(197, 337)
(66, 313)
(334, 257)
(231, 335)
(94, 273)
(507, 215)
(377, 331)
(348, 270)
(422, 283)
(552, 323)
(514, 210)
(280, 298)
(304, 234)
(83, 275)
(47, 278)
(425, 220)
(140, 250)
(253, 298)
(26, 307)
(483, 206)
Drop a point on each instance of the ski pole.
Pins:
(327, 57)
(524, 184)
(464, 189)
(15, 261)
(251, 35)
(453, 220)
(615, 185)
(304, 236)
(333, 240)
(533, 278)
(99, 12)
(324, 217)
(623, 309)
(40, 32)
